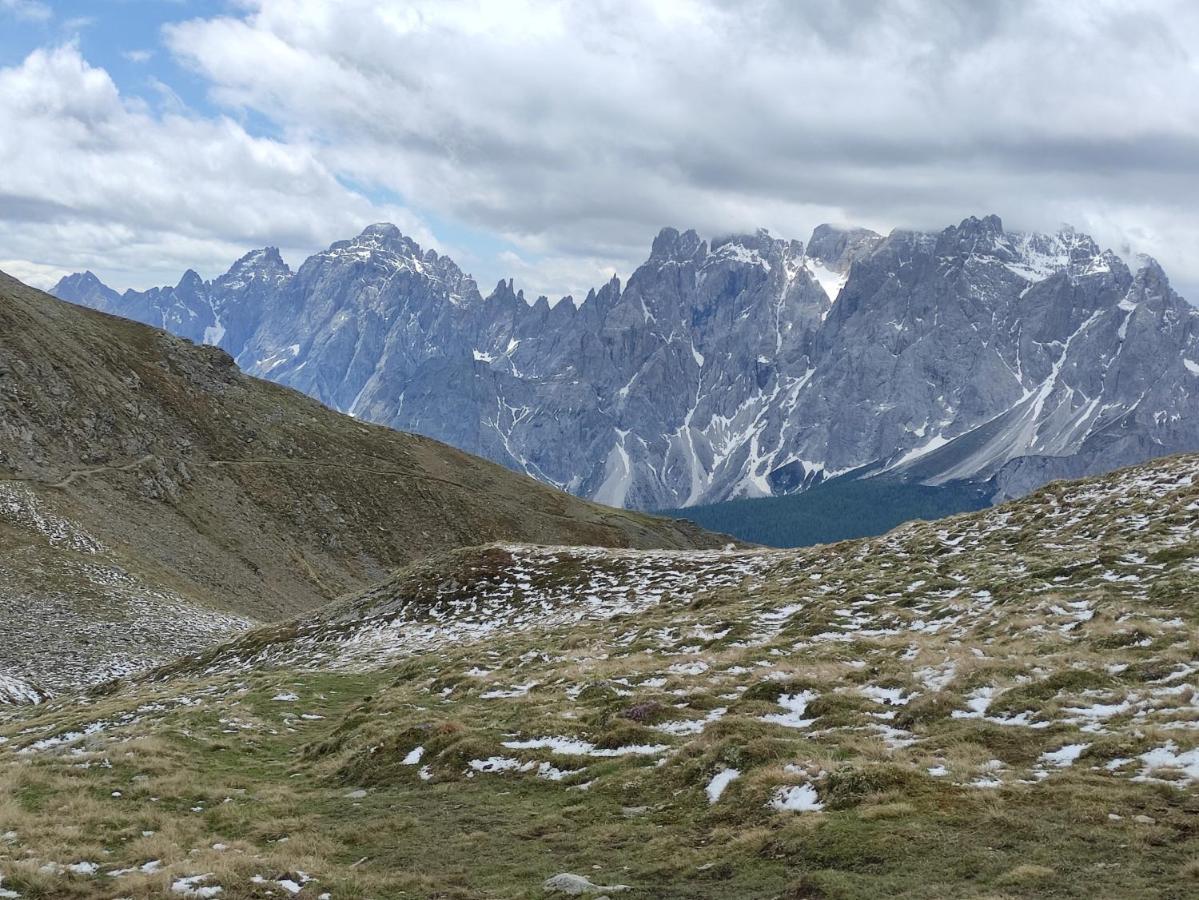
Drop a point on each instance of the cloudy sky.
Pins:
(549, 141)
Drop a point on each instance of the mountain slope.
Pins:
(744, 367)
(998, 704)
(153, 497)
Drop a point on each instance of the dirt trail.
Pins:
(80, 473)
(218, 463)
(289, 461)
(96, 470)
(261, 461)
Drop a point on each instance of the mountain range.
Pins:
(742, 367)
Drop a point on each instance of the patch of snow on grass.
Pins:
(575, 747)
(719, 782)
(1065, 756)
(796, 798)
(193, 886)
(692, 726)
(518, 690)
(1167, 757)
(796, 705)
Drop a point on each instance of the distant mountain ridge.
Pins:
(744, 367)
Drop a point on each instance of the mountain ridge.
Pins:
(748, 365)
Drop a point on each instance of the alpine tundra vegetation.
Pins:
(998, 704)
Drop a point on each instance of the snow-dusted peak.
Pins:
(1035, 256)
(384, 246)
(264, 266)
(382, 230)
(384, 238)
(750, 249)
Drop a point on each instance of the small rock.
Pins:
(1144, 820)
(631, 812)
(575, 885)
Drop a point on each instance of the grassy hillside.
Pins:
(999, 705)
(153, 498)
(838, 510)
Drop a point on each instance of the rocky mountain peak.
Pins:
(758, 240)
(1150, 281)
(191, 282)
(86, 279)
(504, 291)
(671, 246)
(1149, 268)
(1035, 257)
(88, 290)
(384, 231)
(757, 249)
(974, 237)
(386, 248)
(989, 226)
(836, 248)
(383, 237)
(265, 263)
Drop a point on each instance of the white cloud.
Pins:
(555, 276)
(37, 274)
(576, 129)
(31, 10)
(89, 179)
